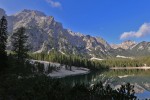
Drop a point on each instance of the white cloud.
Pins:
(143, 31)
(54, 4)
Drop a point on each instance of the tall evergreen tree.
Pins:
(19, 43)
(3, 41)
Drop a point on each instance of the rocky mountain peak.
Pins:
(46, 34)
(124, 45)
(31, 13)
(128, 42)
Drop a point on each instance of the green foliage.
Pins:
(116, 62)
(19, 43)
(145, 60)
(68, 60)
(20, 68)
(3, 34)
(27, 67)
(3, 41)
(45, 88)
(40, 67)
(73, 60)
(51, 68)
(22, 82)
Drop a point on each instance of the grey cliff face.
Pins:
(124, 45)
(45, 34)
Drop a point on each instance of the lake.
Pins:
(138, 77)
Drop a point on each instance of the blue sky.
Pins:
(113, 20)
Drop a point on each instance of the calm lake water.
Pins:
(140, 79)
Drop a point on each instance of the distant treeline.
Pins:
(70, 60)
(120, 62)
(145, 60)
(73, 60)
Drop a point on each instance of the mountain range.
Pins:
(46, 34)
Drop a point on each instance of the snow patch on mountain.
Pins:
(93, 58)
(118, 56)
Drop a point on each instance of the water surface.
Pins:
(138, 77)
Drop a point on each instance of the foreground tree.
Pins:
(3, 41)
(19, 43)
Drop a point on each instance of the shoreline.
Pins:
(62, 72)
(71, 73)
(130, 68)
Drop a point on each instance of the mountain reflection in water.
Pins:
(138, 77)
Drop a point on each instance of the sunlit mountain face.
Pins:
(46, 34)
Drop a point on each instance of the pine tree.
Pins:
(19, 43)
(3, 41)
